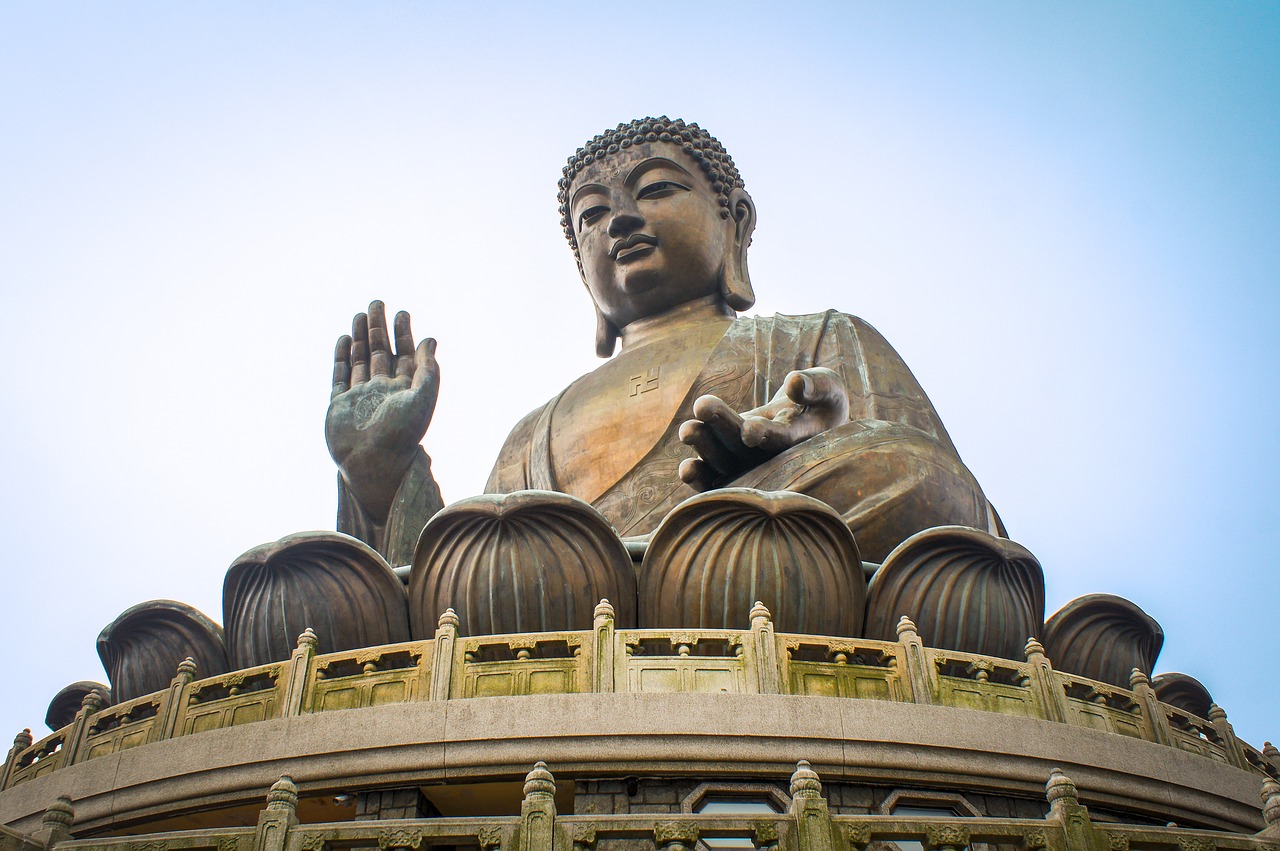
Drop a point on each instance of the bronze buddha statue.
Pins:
(698, 397)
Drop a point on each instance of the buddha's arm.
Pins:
(395, 535)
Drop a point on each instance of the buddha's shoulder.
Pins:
(827, 320)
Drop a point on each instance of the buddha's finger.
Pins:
(426, 371)
(725, 422)
(818, 388)
(404, 345)
(341, 366)
(703, 440)
(767, 435)
(379, 343)
(359, 349)
(695, 473)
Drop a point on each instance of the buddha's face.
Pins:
(649, 231)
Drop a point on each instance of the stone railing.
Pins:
(604, 659)
(808, 825)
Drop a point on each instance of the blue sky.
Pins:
(1064, 217)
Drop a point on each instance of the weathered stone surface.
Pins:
(1103, 637)
(525, 562)
(1183, 691)
(142, 648)
(964, 589)
(338, 586)
(62, 709)
(721, 551)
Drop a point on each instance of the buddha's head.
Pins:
(657, 217)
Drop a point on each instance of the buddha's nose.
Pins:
(625, 219)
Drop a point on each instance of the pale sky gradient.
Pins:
(1066, 219)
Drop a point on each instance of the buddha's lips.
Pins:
(631, 242)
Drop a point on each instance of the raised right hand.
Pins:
(380, 407)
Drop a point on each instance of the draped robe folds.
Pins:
(890, 471)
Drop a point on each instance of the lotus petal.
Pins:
(529, 561)
(142, 648)
(333, 583)
(1185, 692)
(965, 590)
(66, 703)
(719, 552)
(1103, 637)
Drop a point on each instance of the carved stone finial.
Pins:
(905, 624)
(604, 609)
(1271, 802)
(1270, 751)
(308, 639)
(1138, 678)
(187, 668)
(91, 702)
(283, 794)
(1033, 648)
(805, 782)
(1217, 713)
(539, 781)
(59, 815)
(759, 611)
(448, 618)
(23, 740)
(1060, 788)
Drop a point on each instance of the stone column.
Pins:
(89, 706)
(1049, 694)
(299, 673)
(602, 650)
(1066, 810)
(764, 651)
(538, 810)
(279, 817)
(914, 661)
(1235, 753)
(174, 703)
(1156, 722)
(442, 660)
(21, 742)
(809, 808)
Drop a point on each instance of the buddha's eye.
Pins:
(661, 189)
(591, 214)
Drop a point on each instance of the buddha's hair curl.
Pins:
(704, 148)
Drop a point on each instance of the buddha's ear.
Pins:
(735, 283)
(606, 335)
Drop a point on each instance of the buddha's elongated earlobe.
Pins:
(735, 283)
(606, 335)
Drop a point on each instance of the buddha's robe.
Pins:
(891, 470)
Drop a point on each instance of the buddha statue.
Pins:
(691, 397)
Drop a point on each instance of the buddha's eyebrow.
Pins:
(588, 187)
(652, 163)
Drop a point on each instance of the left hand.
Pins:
(729, 444)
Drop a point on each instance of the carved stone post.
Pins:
(809, 809)
(945, 837)
(174, 703)
(538, 810)
(919, 671)
(1066, 810)
(279, 817)
(1154, 718)
(55, 825)
(1235, 753)
(1048, 692)
(602, 649)
(442, 660)
(1271, 754)
(764, 651)
(299, 673)
(1271, 808)
(89, 706)
(21, 742)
